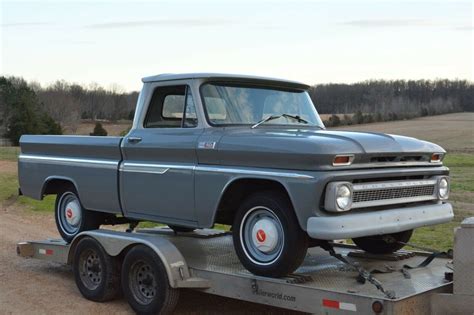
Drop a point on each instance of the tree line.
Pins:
(32, 108)
(382, 100)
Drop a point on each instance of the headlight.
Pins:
(344, 197)
(443, 188)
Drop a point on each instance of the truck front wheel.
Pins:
(71, 217)
(383, 244)
(267, 237)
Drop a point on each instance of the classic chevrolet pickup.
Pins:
(245, 151)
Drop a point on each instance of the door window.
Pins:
(171, 107)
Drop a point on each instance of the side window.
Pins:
(171, 107)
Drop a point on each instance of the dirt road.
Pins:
(36, 287)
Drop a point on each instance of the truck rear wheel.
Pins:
(71, 217)
(267, 236)
(96, 273)
(383, 244)
(145, 282)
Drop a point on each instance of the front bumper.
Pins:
(351, 225)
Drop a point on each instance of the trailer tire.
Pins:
(97, 274)
(383, 244)
(267, 237)
(145, 282)
(71, 217)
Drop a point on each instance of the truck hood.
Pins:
(310, 149)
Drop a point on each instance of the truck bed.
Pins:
(91, 163)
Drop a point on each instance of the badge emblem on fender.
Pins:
(207, 145)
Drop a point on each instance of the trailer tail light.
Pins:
(377, 307)
(339, 305)
(436, 157)
(342, 160)
(43, 251)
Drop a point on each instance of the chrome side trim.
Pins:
(69, 161)
(152, 168)
(231, 170)
(143, 168)
(390, 164)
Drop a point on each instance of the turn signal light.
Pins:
(436, 157)
(342, 160)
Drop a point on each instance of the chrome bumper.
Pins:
(350, 225)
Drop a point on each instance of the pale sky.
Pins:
(119, 42)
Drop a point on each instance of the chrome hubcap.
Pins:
(261, 235)
(70, 213)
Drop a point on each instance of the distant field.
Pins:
(113, 129)
(454, 132)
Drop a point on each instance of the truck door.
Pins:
(159, 157)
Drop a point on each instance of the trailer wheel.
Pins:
(71, 217)
(267, 236)
(383, 244)
(97, 274)
(145, 282)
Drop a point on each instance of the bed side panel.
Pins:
(91, 163)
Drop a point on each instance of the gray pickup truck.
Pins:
(245, 151)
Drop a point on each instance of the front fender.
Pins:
(211, 184)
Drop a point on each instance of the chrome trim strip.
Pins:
(152, 168)
(394, 184)
(69, 161)
(163, 168)
(390, 164)
(217, 169)
(395, 201)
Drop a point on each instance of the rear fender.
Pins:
(115, 243)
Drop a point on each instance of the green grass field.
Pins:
(439, 237)
(9, 153)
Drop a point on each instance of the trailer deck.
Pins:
(322, 284)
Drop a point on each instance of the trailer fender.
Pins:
(114, 243)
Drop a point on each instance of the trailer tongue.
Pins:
(205, 260)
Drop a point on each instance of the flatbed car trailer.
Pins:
(346, 282)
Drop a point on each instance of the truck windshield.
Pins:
(237, 104)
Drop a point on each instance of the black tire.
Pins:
(89, 220)
(180, 229)
(290, 249)
(97, 274)
(383, 244)
(155, 296)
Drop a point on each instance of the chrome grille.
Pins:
(395, 192)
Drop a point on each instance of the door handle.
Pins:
(134, 139)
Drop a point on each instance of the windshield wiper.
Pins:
(272, 117)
